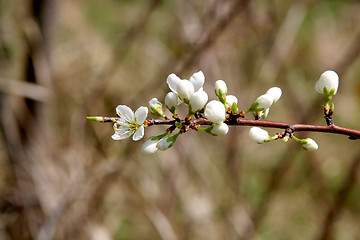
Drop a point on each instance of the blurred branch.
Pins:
(335, 209)
(24, 89)
(209, 37)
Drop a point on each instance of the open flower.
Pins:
(186, 88)
(129, 124)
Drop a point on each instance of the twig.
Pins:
(292, 127)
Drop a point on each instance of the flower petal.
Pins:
(149, 146)
(172, 81)
(125, 113)
(138, 134)
(197, 79)
(117, 136)
(141, 114)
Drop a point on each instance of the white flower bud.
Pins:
(330, 80)
(167, 142)
(156, 107)
(275, 93)
(220, 129)
(171, 101)
(310, 145)
(221, 90)
(185, 89)
(198, 100)
(265, 101)
(258, 135)
(230, 99)
(215, 111)
(149, 146)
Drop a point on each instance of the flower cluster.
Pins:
(212, 117)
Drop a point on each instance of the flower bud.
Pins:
(264, 101)
(230, 100)
(309, 144)
(149, 146)
(221, 90)
(215, 111)
(185, 89)
(156, 107)
(328, 83)
(167, 142)
(275, 93)
(220, 129)
(171, 101)
(258, 135)
(198, 100)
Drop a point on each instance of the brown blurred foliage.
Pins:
(63, 177)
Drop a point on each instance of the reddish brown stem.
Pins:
(293, 127)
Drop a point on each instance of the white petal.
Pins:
(138, 134)
(198, 100)
(172, 81)
(230, 99)
(197, 79)
(275, 93)
(149, 146)
(310, 145)
(185, 89)
(330, 80)
(121, 129)
(164, 144)
(125, 113)
(265, 101)
(220, 129)
(171, 100)
(215, 111)
(117, 136)
(141, 114)
(258, 135)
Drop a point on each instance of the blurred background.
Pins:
(63, 177)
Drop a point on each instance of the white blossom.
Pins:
(310, 145)
(230, 99)
(156, 107)
(215, 111)
(275, 93)
(220, 129)
(167, 142)
(149, 146)
(171, 101)
(329, 80)
(221, 90)
(185, 88)
(265, 101)
(220, 87)
(258, 135)
(197, 80)
(198, 100)
(129, 124)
